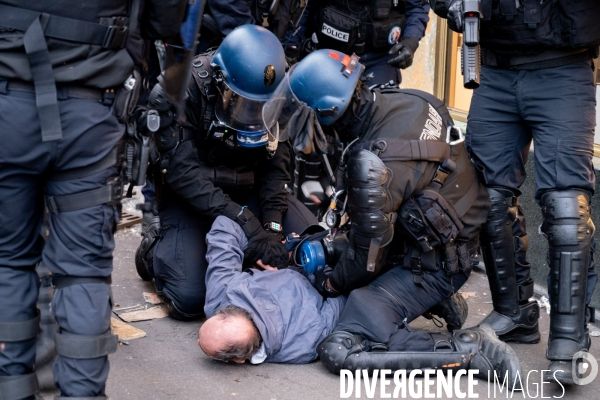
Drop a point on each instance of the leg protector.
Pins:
(569, 230)
(18, 387)
(453, 310)
(514, 318)
(477, 348)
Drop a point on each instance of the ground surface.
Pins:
(167, 364)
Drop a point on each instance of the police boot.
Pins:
(143, 254)
(453, 310)
(569, 230)
(514, 318)
(478, 348)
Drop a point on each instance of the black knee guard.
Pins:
(569, 230)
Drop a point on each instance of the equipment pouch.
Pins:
(339, 30)
(386, 33)
(380, 9)
(127, 97)
(441, 216)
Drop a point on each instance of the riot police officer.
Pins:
(537, 84)
(282, 17)
(63, 66)
(221, 161)
(384, 33)
(416, 208)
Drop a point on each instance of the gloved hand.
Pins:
(261, 245)
(166, 137)
(321, 278)
(406, 52)
(455, 16)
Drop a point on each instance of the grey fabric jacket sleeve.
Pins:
(225, 252)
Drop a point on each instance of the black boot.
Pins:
(569, 230)
(514, 318)
(143, 254)
(478, 348)
(453, 310)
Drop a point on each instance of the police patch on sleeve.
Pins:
(394, 35)
(270, 75)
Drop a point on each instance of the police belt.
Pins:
(110, 33)
(104, 96)
(452, 257)
(546, 59)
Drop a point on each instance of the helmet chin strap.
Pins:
(273, 141)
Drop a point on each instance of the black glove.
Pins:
(455, 16)
(166, 137)
(261, 245)
(321, 278)
(406, 52)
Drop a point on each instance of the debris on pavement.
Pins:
(595, 333)
(151, 298)
(143, 315)
(467, 295)
(544, 302)
(125, 331)
(137, 307)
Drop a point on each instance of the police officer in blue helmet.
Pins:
(221, 161)
(415, 209)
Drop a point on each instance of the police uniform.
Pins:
(62, 73)
(370, 28)
(537, 84)
(415, 208)
(214, 170)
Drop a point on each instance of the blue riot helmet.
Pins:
(325, 80)
(249, 64)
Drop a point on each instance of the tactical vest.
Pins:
(89, 43)
(279, 16)
(361, 25)
(539, 24)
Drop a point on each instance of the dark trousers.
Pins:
(179, 263)
(553, 107)
(80, 242)
(381, 311)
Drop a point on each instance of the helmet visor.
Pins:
(282, 104)
(239, 112)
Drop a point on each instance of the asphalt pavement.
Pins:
(168, 364)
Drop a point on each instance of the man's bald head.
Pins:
(229, 335)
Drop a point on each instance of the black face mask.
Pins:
(355, 119)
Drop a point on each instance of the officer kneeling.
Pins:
(220, 161)
(416, 208)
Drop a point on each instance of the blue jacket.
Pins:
(290, 314)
